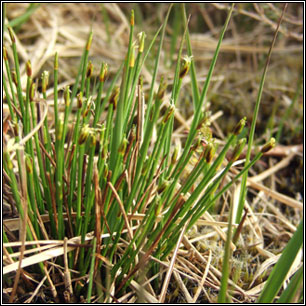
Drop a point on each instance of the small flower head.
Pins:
(114, 97)
(12, 145)
(28, 163)
(103, 72)
(45, 81)
(123, 146)
(80, 100)
(205, 132)
(185, 66)
(32, 91)
(238, 149)
(84, 134)
(175, 155)
(89, 104)
(163, 186)
(89, 40)
(132, 18)
(12, 35)
(56, 61)
(268, 146)
(89, 70)
(141, 39)
(5, 54)
(209, 152)
(239, 127)
(29, 68)
(14, 76)
(196, 145)
(169, 113)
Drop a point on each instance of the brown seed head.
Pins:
(209, 152)
(114, 97)
(239, 127)
(141, 38)
(28, 162)
(132, 18)
(83, 135)
(14, 76)
(12, 36)
(169, 113)
(103, 72)
(238, 149)
(45, 81)
(185, 66)
(32, 91)
(88, 44)
(29, 68)
(89, 70)
(5, 54)
(80, 100)
(56, 61)
(268, 146)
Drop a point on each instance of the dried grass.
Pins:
(64, 28)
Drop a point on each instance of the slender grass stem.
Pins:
(55, 92)
(154, 75)
(91, 271)
(16, 61)
(194, 83)
(223, 297)
(79, 191)
(9, 76)
(201, 104)
(289, 109)
(253, 125)
(118, 130)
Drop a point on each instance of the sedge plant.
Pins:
(108, 186)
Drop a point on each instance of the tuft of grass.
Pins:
(106, 189)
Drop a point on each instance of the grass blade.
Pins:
(281, 269)
(222, 297)
(91, 271)
(198, 111)
(289, 294)
(252, 130)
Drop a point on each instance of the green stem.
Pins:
(253, 125)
